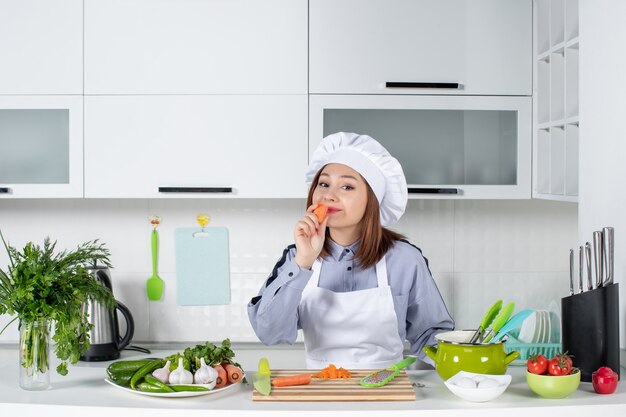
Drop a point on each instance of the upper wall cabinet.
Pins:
(474, 47)
(556, 118)
(41, 146)
(41, 47)
(449, 146)
(195, 146)
(195, 47)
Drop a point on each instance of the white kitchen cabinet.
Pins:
(41, 146)
(358, 46)
(41, 47)
(195, 146)
(449, 146)
(556, 116)
(195, 47)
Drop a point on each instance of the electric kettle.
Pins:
(105, 340)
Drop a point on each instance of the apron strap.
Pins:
(381, 274)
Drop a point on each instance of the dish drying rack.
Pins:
(526, 350)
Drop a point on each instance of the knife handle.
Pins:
(598, 254)
(608, 236)
(581, 268)
(588, 258)
(571, 272)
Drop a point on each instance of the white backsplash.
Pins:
(478, 251)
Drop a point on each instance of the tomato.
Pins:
(561, 364)
(537, 364)
(604, 380)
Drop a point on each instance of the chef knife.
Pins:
(598, 255)
(588, 257)
(571, 272)
(608, 245)
(261, 380)
(581, 268)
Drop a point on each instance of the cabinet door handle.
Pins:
(403, 84)
(413, 190)
(195, 189)
(5, 190)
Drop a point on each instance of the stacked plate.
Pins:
(542, 326)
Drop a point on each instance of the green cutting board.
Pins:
(202, 266)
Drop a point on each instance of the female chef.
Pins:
(356, 289)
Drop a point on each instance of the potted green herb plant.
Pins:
(42, 288)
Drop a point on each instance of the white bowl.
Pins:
(478, 394)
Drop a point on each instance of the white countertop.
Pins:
(84, 392)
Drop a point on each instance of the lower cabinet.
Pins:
(196, 146)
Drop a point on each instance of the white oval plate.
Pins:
(174, 394)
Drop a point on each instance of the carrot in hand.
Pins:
(320, 211)
(233, 373)
(222, 377)
(286, 381)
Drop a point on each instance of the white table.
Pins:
(84, 393)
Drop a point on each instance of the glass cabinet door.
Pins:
(463, 147)
(40, 146)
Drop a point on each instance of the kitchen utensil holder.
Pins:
(590, 329)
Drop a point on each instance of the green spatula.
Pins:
(490, 315)
(154, 285)
(382, 377)
(498, 322)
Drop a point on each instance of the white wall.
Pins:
(478, 250)
(602, 149)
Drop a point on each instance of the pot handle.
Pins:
(130, 326)
(511, 357)
(431, 351)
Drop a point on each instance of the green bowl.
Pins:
(549, 386)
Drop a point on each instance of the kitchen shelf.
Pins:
(556, 100)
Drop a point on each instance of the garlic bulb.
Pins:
(180, 375)
(163, 374)
(205, 374)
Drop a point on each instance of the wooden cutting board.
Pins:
(399, 389)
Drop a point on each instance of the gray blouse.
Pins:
(419, 307)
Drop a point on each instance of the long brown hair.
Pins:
(375, 239)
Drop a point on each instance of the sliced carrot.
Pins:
(331, 372)
(320, 211)
(233, 373)
(286, 381)
(222, 377)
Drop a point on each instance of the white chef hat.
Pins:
(369, 158)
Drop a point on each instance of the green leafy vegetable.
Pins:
(211, 353)
(40, 285)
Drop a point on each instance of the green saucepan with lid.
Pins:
(453, 354)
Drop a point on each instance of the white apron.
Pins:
(354, 330)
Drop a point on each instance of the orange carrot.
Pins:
(222, 377)
(233, 373)
(331, 372)
(320, 211)
(286, 381)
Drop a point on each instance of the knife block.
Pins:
(590, 329)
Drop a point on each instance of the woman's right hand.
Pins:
(309, 235)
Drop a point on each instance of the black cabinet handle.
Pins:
(5, 190)
(413, 190)
(195, 189)
(402, 84)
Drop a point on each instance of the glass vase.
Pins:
(34, 355)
